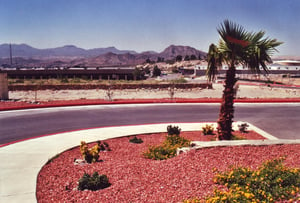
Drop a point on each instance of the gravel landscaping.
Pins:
(136, 179)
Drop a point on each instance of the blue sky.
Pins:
(143, 25)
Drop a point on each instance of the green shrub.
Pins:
(271, 182)
(156, 71)
(243, 127)
(105, 146)
(92, 155)
(94, 182)
(160, 152)
(136, 140)
(208, 129)
(167, 149)
(176, 140)
(173, 130)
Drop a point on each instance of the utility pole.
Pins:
(10, 54)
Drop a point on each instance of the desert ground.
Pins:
(244, 91)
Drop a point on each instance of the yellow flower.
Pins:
(224, 198)
(247, 195)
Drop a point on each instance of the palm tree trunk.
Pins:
(227, 109)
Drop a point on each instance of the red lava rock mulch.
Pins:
(11, 104)
(136, 179)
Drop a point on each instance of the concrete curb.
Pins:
(199, 145)
(147, 101)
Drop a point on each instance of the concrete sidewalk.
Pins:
(22, 161)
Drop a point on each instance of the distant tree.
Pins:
(156, 71)
(193, 57)
(179, 58)
(160, 59)
(148, 61)
(187, 58)
(147, 70)
(200, 57)
(138, 74)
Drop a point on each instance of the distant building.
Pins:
(278, 67)
(90, 73)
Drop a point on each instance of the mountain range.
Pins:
(70, 55)
(26, 51)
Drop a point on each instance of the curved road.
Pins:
(280, 120)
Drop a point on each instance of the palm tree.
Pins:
(236, 46)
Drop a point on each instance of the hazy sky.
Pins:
(143, 25)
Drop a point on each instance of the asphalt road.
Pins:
(280, 120)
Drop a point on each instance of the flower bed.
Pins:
(136, 179)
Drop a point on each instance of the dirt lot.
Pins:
(244, 91)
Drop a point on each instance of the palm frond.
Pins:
(234, 41)
(237, 46)
(214, 61)
(260, 51)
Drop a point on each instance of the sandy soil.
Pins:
(244, 91)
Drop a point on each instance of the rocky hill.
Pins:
(173, 51)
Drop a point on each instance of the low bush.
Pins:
(173, 130)
(136, 140)
(169, 147)
(104, 146)
(243, 127)
(271, 182)
(160, 152)
(176, 140)
(208, 129)
(92, 155)
(94, 182)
